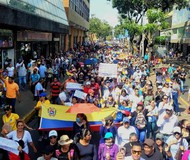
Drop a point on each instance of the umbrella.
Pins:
(83, 108)
(91, 61)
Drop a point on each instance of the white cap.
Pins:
(160, 87)
(169, 107)
(88, 83)
(53, 133)
(177, 129)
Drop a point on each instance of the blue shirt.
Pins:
(42, 71)
(35, 77)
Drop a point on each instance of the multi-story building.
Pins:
(78, 12)
(179, 31)
(30, 27)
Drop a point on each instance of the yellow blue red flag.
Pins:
(56, 117)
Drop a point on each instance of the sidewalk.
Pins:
(24, 108)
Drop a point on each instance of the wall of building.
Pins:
(78, 16)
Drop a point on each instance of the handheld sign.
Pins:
(80, 94)
(107, 70)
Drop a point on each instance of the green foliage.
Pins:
(135, 9)
(100, 28)
(133, 28)
(160, 40)
(118, 30)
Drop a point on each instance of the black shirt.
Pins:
(87, 152)
(155, 156)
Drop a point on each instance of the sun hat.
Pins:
(64, 139)
(108, 135)
(53, 133)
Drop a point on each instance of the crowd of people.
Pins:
(146, 124)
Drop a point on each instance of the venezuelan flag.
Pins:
(56, 117)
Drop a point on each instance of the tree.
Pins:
(135, 9)
(134, 29)
(156, 22)
(100, 28)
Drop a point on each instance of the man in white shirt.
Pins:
(135, 99)
(123, 132)
(38, 89)
(166, 122)
(11, 70)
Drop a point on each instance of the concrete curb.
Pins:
(184, 101)
(28, 116)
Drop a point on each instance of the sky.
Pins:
(103, 10)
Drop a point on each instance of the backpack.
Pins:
(140, 121)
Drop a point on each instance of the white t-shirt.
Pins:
(10, 71)
(38, 87)
(26, 138)
(123, 135)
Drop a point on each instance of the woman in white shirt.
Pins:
(21, 134)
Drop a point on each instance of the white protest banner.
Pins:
(80, 94)
(9, 145)
(107, 70)
(73, 86)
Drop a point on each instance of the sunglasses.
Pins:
(176, 133)
(136, 152)
(52, 137)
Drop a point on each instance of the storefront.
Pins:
(6, 48)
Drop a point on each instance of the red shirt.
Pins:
(55, 88)
(86, 89)
(95, 87)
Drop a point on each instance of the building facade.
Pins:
(78, 13)
(31, 28)
(179, 31)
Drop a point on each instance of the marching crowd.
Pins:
(146, 124)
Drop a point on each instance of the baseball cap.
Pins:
(149, 142)
(160, 87)
(159, 136)
(7, 107)
(88, 83)
(108, 135)
(53, 133)
(126, 119)
(140, 104)
(177, 129)
(169, 107)
(43, 94)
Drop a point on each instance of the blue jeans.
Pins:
(22, 80)
(175, 102)
(181, 85)
(151, 128)
(142, 134)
